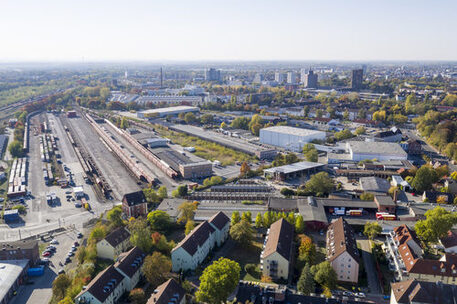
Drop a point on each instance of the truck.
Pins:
(385, 216)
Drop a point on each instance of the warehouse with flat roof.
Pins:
(361, 150)
(163, 112)
(289, 138)
(12, 274)
(294, 170)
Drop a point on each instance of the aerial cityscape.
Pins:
(246, 153)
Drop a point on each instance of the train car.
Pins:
(356, 212)
(385, 216)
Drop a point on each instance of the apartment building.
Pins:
(20, 250)
(276, 258)
(114, 244)
(129, 265)
(194, 248)
(342, 252)
(134, 204)
(413, 291)
(405, 254)
(168, 292)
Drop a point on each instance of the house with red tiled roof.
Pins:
(194, 248)
(405, 255)
(449, 242)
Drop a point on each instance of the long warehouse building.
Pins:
(289, 138)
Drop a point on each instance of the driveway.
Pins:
(368, 262)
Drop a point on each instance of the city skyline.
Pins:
(206, 31)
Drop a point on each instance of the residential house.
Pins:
(449, 242)
(106, 288)
(385, 203)
(114, 244)
(342, 252)
(399, 182)
(414, 147)
(405, 255)
(421, 292)
(194, 248)
(168, 292)
(451, 185)
(134, 204)
(276, 258)
(129, 264)
(433, 196)
(392, 135)
(20, 250)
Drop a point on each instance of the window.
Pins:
(349, 265)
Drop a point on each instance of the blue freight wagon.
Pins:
(11, 216)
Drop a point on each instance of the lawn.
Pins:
(206, 149)
(248, 255)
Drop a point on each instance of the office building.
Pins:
(280, 77)
(357, 79)
(258, 78)
(289, 138)
(309, 80)
(212, 74)
(291, 78)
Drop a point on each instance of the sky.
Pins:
(204, 30)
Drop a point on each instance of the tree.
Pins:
(207, 119)
(156, 268)
(346, 115)
(360, 130)
(299, 224)
(287, 191)
(306, 284)
(159, 220)
(60, 285)
(181, 191)
(162, 192)
(190, 224)
(344, 134)
(190, 118)
(115, 216)
(255, 124)
(371, 230)
(367, 196)
(98, 233)
(137, 296)
(15, 148)
(244, 169)
(246, 216)
(266, 279)
(218, 281)
(236, 218)
(140, 234)
(258, 220)
(240, 123)
(187, 211)
(151, 196)
(307, 250)
(320, 184)
(324, 274)
(223, 125)
(425, 177)
(124, 123)
(242, 232)
(436, 225)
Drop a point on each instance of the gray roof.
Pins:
(9, 272)
(384, 200)
(170, 206)
(374, 184)
(377, 148)
(295, 167)
(311, 210)
(328, 202)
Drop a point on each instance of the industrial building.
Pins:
(289, 138)
(163, 112)
(291, 171)
(380, 151)
(12, 274)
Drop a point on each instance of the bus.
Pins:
(385, 216)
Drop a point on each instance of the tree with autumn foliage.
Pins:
(245, 169)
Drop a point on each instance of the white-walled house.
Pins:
(276, 256)
(114, 244)
(194, 248)
(342, 252)
(130, 264)
(449, 242)
(168, 292)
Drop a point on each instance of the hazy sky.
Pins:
(98, 30)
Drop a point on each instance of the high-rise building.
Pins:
(291, 77)
(280, 77)
(357, 79)
(258, 78)
(212, 75)
(309, 80)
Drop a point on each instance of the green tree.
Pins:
(320, 184)
(344, 134)
(310, 153)
(242, 232)
(246, 216)
(151, 196)
(258, 220)
(218, 281)
(240, 123)
(360, 130)
(307, 250)
(190, 225)
(324, 274)
(190, 118)
(15, 148)
(181, 191)
(207, 119)
(346, 115)
(137, 296)
(436, 225)
(140, 234)
(187, 211)
(299, 224)
(159, 220)
(156, 268)
(367, 196)
(305, 283)
(223, 125)
(98, 233)
(162, 192)
(60, 285)
(115, 216)
(425, 177)
(236, 218)
(371, 230)
(287, 191)
(124, 123)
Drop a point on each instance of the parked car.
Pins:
(76, 243)
(67, 260)
(80, 235)
(54, 242)
(46, 254)
(61, 271)
(360, 295)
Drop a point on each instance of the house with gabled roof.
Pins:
(195, 247)
(342, 252)
(129, 264)
(277, 257)
(168, 292)
(114, 244)
(415, 291)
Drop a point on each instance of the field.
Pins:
(206, 149)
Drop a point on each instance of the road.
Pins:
(41, 289)
(368, 262)
(115, 173)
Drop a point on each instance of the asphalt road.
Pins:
(368, 262)
(115, 173)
